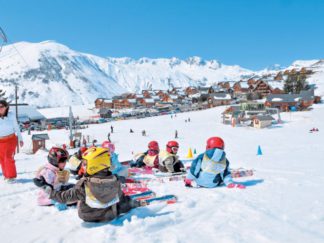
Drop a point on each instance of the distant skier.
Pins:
(211, 168)
(169, 160)
(176, 134)
(98, 193)
(109, 137)
(150, 158)
(53, 173)
(144, 133)
(131, 131)
(111, 129)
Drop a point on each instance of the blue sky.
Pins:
(253, 34)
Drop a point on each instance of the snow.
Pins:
(283, 201)
(276, 99)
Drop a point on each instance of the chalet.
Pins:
(27, 113)
(277, 91)
(105, 113)
(103, 103)
(251, 81)
(262, 121)
(225, 85)
(241, 87)
(146, 102)
(279, 76)
(130, 96)
(160, 93)
(217, 99)
(122, 104)
(166, 99)
(261, 87)
(231, 114)
(146, 93)
(286, 102)
(191, 91)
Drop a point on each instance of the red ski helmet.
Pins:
(215, 142)
(153, 145)
(172, 147)
(81, 151)
(108, 145)
(57, 155)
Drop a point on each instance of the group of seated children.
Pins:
(165, 160)
(98, 192)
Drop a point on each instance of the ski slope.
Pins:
(283, 201)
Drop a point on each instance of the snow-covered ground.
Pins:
(283, 201)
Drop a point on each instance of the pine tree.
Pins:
(295, 82)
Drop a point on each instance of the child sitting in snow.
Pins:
(149, 158)
(116, 167)
(98, 192)
(169, 160)
(211, 168)
(54, 174)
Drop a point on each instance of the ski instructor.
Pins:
(9, 131)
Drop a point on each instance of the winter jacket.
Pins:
(9, 125)
(147, 159)
(169, 162)
(50, 174)
(210, 169)
(116, 167)
(99, 197)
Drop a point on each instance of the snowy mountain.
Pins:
(50, 74)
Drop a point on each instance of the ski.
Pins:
(143, 196)
(168, 199)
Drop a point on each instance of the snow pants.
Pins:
(8, 146)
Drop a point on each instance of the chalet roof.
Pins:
(174, 97)
(264, 118)
(305, 95)
(40, 137)
(221, 96)
(203, 88)
(28, 113)
(155, 97)
(132, 101)
(149, 100)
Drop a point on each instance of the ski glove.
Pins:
(233, 185)
(41, 182)
(188, 182)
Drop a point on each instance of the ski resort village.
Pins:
(161, 121)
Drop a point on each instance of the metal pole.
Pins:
(70, 126)
(16, 104)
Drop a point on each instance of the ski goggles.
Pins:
(174, 149)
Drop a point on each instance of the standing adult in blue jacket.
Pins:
(211, 168)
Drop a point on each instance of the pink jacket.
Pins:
(49, 172)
